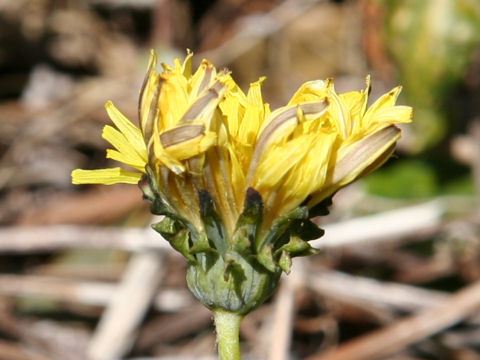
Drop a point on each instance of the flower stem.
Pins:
(227, 325)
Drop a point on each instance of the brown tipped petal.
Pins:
(276, 129)
(181, 134)
(148, 100)
(205, 104)
(373, 149)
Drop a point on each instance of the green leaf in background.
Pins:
(417, 179)
(406, 179)
(432, 43)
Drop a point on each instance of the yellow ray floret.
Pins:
(105, 176)
(129, 149)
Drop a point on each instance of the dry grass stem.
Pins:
(115, 332)
(410, 330)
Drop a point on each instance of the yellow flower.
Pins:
(238, 183)
(201, 132)
(308, 149)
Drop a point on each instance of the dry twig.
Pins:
(357, 290)
(382, 227)
(410, 330)
(114, 334)
(284, 310)
(373, 228)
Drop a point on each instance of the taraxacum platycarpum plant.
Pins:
(238, 183)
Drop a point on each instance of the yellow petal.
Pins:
(202, 79)
(356, 102)
(162, 158)
(251, 122)
(392, 115)
(254, 95)
(310, 174)
(202, 110)
(385, 101)
(253, 115)
(132, 134)
(276, 164)
(307, 174)
(357, 158)
(232, 111)
(128, 152)
(105, 176)
(237, 173)
(339, 113)
(310, 91)
(280, 124)
(125, 159)
(192, 147)
(173, 100)
(187, 64)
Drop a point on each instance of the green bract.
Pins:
(238, 272)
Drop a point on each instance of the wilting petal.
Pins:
(148, 100)
(357, 158)
(363, 153)
(202, 109)
(187, 141)
(282, 123)
(202, 79)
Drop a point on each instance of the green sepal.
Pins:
(232, 268)
(180, 242)
(241, 242)
(159, 207)
(297, 247)
(201, 245)
(285, 262)
(248, 223)
(265, 258)
(167, 227)
(281, 225)
(251, 217)
(206, 260)
(214, 227)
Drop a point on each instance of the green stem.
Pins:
(227, 325)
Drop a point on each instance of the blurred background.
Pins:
(82, 276)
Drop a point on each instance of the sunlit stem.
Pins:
(227, 325)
